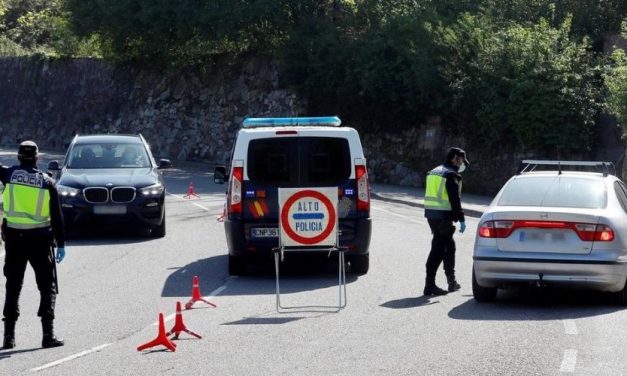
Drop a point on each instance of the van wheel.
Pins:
(359, 264)
(621, 296)
(482, 294)
(237, 265)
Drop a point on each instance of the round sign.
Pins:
(324, 230)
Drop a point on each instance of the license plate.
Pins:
(118, 209)
(264, 232)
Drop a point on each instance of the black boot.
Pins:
(49, 340)
(432, 289)
(452, 283)
(9, 334)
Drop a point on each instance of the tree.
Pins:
(616, 81)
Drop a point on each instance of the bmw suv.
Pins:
(111, 179)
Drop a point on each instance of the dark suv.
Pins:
(111, 179)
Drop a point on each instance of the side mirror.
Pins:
(164, 163)
(53, 166)
(219, 175)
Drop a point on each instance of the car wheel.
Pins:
(159, 231)
(237, 265)
(359, 264)
(621, 296)
(482, 294)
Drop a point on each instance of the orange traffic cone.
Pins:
(179, 326)
(196, 295)
(191, 191)
(162, 338)
(222, 217)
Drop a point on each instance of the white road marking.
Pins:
(190, 201)
(570, 327)
(71, 357)
(569, 361)
(212, 294)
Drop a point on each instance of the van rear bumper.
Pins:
(355, 234)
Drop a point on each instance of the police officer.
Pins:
(443, 208)
(32, 223)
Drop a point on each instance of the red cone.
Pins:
(196, 295)
(191, 191)
(179, 326)
(162, 338)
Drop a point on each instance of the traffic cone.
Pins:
(191, 191)
(222, 217)
(162, 338)
(196, 295)
(179, 326)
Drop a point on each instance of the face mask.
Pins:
(462, 168)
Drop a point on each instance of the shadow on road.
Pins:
(297, 274)
(540, 305)
(408, 302)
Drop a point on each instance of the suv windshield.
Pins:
(299, 161)
(555, 191)
(109, 155)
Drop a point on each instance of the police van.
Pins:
(273, 153)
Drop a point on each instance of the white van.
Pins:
(293, 152)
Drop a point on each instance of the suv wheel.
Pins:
(482, 294)
(237, 265)
(159, 231)
(359, 263)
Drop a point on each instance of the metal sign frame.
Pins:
(279, 253)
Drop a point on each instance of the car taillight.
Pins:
(235, 190)
(585, 231)
(363, 189)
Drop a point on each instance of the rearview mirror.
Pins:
(219, 175)
(53, 166)
(164, 163)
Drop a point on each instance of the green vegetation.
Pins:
(528, 74)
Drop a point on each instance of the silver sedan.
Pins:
(554, 228)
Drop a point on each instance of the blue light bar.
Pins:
(332, 121)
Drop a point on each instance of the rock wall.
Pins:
(192, 116)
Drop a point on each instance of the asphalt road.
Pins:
(114, 285)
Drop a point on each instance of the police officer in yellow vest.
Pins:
(32, 223)
(443, 208)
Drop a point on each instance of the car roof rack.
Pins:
(604, 167)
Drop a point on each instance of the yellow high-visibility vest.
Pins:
(26, 201)
(436, 196)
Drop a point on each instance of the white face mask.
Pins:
(462, 168)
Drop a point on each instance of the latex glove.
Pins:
(60, 254)
(462, 227)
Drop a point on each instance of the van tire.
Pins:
(359, 264)
(237, 265)
(482, 294)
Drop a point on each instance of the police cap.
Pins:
(454, 152)
(27, 149)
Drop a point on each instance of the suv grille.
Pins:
(122, 194)
(96, 194)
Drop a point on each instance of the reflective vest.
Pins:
(26, 201)
(436, 196)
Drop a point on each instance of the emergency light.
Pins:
(332, 121)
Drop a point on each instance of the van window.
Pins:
(299, 161)
(555, 191)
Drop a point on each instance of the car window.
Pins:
(299, 161)
(555, 191)
(108, 155)
(621, 193)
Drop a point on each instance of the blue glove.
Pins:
(60, 254)
(462, 227)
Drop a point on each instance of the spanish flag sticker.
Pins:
(258, 208)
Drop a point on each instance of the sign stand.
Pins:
(309, 204)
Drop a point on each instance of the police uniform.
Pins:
(32, 224)
(442, 208)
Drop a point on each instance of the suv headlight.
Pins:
(152, 190)
(65, 191)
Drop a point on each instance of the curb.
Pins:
(468, 212)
